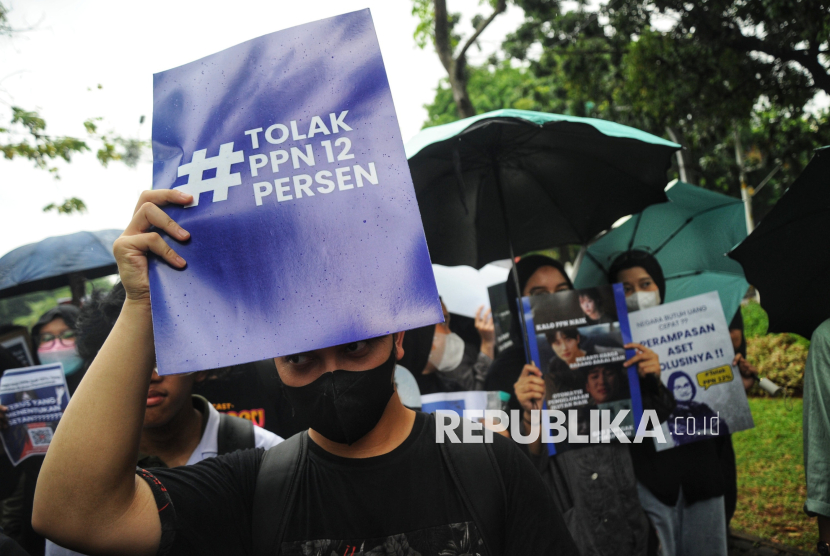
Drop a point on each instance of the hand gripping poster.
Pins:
(305, 230)
(36, 398)
(576, 340)
(691, 337)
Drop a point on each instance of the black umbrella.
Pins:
(531, 179)
(517, 181)
(787, 257)
(56, 261)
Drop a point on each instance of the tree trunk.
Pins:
(456, 66)
(685, 159)
(458, 82)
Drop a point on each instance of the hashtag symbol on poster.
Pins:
(219, 184)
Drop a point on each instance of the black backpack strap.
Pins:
(276, 489)
(235, 433)
(477, 478)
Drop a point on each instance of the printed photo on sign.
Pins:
(304, 216)
(576, 340)
(36, 398)
(691, 337)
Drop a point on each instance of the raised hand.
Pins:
(486, 330)
(131, 248)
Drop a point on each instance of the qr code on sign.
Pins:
(41, 436)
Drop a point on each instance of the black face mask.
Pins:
(343, 405)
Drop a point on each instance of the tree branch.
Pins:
(501, 6)
(816, 70)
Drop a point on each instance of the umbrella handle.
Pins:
(513, 271)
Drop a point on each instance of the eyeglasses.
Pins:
(66, 339)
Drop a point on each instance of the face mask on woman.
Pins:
(55, 351)
(447, 351)
(642, 300)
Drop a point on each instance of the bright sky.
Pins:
(74, 45)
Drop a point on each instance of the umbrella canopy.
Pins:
(689, 236)
(548, 179)
(787, 258)
(48, 264)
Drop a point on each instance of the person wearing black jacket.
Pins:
(681, 489)
(594, 486)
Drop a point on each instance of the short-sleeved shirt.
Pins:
(402, 502)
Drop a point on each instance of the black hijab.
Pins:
(525, 268)
(646, 261)
(507, 366)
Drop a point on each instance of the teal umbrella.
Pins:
(689, 236)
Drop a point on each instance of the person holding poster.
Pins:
(681, 489)
(180, 428)
(373, 474)
(594, 487)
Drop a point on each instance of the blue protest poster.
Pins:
(36, 398)
(305, 228)
(576, 340)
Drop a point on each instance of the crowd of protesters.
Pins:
(177, 464)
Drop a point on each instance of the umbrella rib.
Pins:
(698, 272)
(596, 262)
(689, 221)
(636, 229)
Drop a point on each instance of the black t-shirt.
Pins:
(403, 502)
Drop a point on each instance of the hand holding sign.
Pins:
(131, 248)
(648, 362)
(530, 388)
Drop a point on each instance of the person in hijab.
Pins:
(537, 274)
(681, 489)
(593, 486)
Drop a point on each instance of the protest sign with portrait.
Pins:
(691, 337)
(36, 398)
(304, 223)
(576, 340)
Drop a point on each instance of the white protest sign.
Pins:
(691, 337)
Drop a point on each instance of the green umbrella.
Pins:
(689, 236)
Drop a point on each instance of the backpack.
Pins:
(469, 465)
(235, 433)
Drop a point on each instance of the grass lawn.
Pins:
(771, 488)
